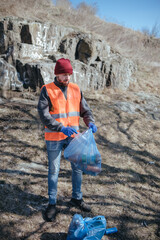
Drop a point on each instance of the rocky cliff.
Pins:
(29, 50)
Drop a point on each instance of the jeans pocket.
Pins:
(53, 145)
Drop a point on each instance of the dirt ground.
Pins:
(126, 191)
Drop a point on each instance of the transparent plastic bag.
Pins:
(87, 228)
(83, 151)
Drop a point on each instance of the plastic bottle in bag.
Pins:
(77, 229)
(84, 159)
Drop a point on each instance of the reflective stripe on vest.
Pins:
(65, 111)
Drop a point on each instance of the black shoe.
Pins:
(50, 212)
(80, 204)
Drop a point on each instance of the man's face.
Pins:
(64, 79)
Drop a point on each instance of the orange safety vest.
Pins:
(65, 111)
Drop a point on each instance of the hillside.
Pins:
(126, 192)
(128, 42)
(33, 34)
(144, 50)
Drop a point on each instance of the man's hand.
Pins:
(93, 127)
(68, 131)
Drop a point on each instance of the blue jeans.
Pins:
(54, 150)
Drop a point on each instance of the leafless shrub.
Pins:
(154, 32)
(87, 9)
(63, 4)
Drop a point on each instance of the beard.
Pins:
(63, 83)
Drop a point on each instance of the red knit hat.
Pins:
(63, 66)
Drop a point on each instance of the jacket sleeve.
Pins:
(44, 105)
(85, 111)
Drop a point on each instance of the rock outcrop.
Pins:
(29, 50)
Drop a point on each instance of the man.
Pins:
(60, 106)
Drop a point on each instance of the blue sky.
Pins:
(135, 14)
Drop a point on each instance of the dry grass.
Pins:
(130, 43)
(40, 10)
(126, 192)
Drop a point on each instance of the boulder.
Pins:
(31, 48)
(9, 77)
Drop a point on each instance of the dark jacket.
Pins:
(44, 106)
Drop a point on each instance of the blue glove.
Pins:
(68, 131)
(93, 127)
